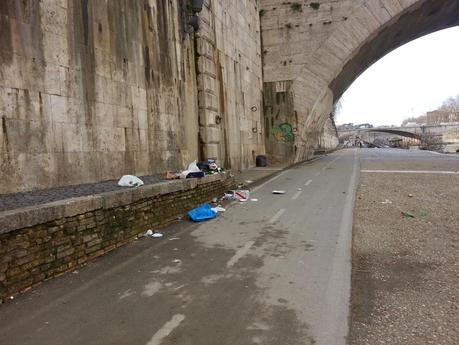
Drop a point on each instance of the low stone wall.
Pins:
(39, 243)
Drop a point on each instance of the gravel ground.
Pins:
(405, 280)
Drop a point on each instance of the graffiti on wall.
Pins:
(284, 132)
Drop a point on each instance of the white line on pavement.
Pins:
(239, 254)
(308, 182)
(412, 172)
(277, 216)
(297, 194)
(168, 327)
(270, 180)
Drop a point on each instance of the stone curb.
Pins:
(29, 216)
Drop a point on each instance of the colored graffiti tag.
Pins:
(284, 132)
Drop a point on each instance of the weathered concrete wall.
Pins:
(230, 82)
(92, 90)
(328, 139)
(281, 121)
(39, 243)
(323, 46)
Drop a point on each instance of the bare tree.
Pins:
(431, 142)
(450, 104)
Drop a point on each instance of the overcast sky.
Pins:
(409, 81)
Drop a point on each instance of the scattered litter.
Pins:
(130, 181)
(214, 200)
(406, 214)
(210, 165)
(150, 233)
(75, 272)
(11, 297)
(241, 194)
(228, 196)
(218, 209)
(254, 199)
(278, 191)
(170, 176)
(410, 195)
(202, 213)
(387, 201)
(249, 181)
(177, 261)
(299, 189)
(175, 249)
(174, 238)
(192, 168)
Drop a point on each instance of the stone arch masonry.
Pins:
(322, 47)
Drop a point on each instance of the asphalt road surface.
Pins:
(274, 271)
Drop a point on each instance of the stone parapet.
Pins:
(38, 243)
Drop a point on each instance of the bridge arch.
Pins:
(318, 51)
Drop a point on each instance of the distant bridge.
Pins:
(414, 132)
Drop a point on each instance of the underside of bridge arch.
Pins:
(312, 54)
(423, 18)
(397, 132)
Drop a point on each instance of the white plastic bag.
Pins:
(192, 167)
(130, 181)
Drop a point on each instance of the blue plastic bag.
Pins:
(202, 213)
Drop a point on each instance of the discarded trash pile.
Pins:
(210, 211)
(196, 170)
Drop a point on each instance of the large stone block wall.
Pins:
(323, 46)
(37, 244)
(91, 90)
(230, 82)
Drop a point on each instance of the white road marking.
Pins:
(277, 216)
(167, 329)
(239, 254)
(412, 172)
(297, 194)
(269, 181)
(308, 182)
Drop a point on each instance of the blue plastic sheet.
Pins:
(202, 213)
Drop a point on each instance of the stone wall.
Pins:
(328, 139)
(41, 242)
(230, 82)
(280, 121)
(92, 90)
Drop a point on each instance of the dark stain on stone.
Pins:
(164, 39)
(6, 43)
(147, 65)
(5, 138)
(82, 48)
(308, 247)
(84, 17)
